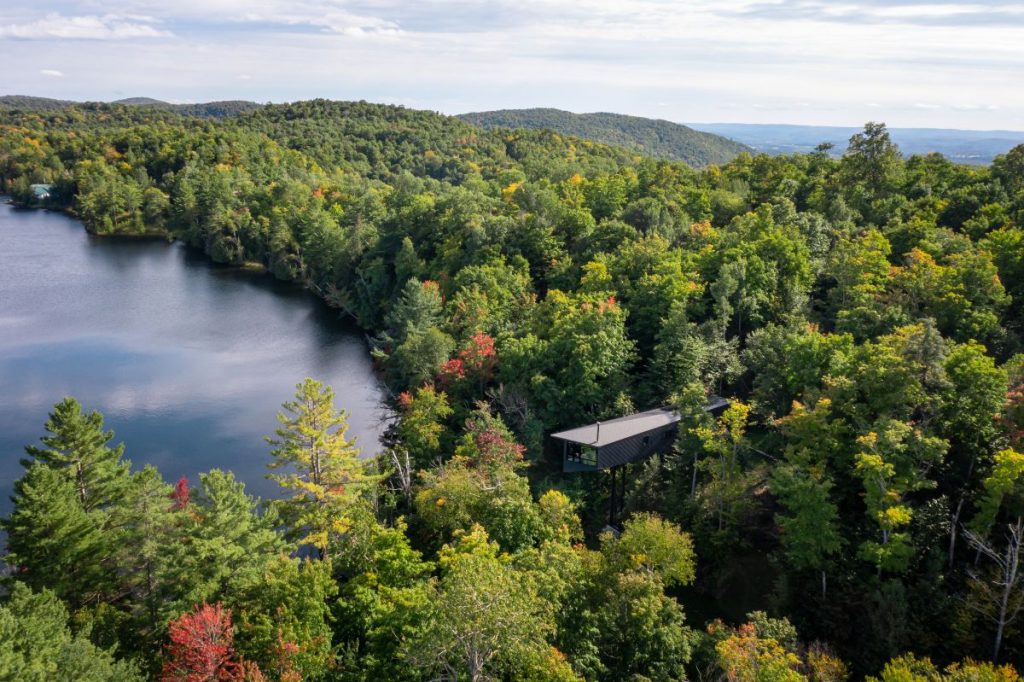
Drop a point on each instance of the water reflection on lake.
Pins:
(189, 362)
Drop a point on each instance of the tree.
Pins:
(480, 485)
(283, 621)
(724, 494)
(651, 545)
(576, 364)
(746, 656)
(810, 523)
(860, 266)
(385, 596)
(76, 444)
(687, 356)
(1002, 593)
(417, 435)
(910, 668)
(54, 541)
(969, 419)
(640, 631)
(36, 644)
(201, 648)
(485, 617)
(326, 478)
(891, 464)
(874, 163)
(220, 541)
(789, 363)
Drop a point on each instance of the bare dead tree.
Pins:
(511, 404)
(401, 479)
(1003, 589)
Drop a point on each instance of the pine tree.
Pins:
(52, 541)
(77, 445)
(221, 541)
(326, 478)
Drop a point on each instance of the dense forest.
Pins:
(857, 510)
(657, 138)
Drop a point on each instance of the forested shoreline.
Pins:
(856, 511)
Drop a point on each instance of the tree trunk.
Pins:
(1010, 576)
(693, 481)
(953, 525)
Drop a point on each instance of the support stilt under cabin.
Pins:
(617, 442)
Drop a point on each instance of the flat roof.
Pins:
(600, 434)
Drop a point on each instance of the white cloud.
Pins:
(354, 25)
(53, 73)
(85, 27)
(807, 61)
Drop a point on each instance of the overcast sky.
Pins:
(907, 62)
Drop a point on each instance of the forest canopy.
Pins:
(858, 510)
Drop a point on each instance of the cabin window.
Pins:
(582, 454)
(647, 441)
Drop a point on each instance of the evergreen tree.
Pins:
(326, 480)
(36, 644)
(77, 445)
(53, 541)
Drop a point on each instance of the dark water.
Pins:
(188, 362)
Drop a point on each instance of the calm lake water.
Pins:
(189, 362)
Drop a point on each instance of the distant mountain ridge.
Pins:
(962, 146)
(201, 109)
(651, 137)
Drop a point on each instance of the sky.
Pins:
(928, 63)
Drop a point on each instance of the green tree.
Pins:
(284, 620)
(485, 618)
(221, 540)
(54, 541)
(809, 524)
(36, 644)
(76, 444)
(723, 494)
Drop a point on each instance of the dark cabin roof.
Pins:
(600, 434)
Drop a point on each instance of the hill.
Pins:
(977, 147)
(29, 103)
(199, 109)
(652, 137)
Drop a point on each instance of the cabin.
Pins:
(40, 192)
(609, 444)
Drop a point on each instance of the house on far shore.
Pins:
(40, 192)
(610, 444)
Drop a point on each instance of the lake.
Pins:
(188, 361)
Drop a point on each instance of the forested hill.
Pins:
(201, 109)
(651, 137)
(30, 103)
(861, 497)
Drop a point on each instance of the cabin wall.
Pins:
(635, 449)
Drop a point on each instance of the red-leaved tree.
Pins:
(201, 649)
(181, 494)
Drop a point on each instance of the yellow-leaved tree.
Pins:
(325, 479)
